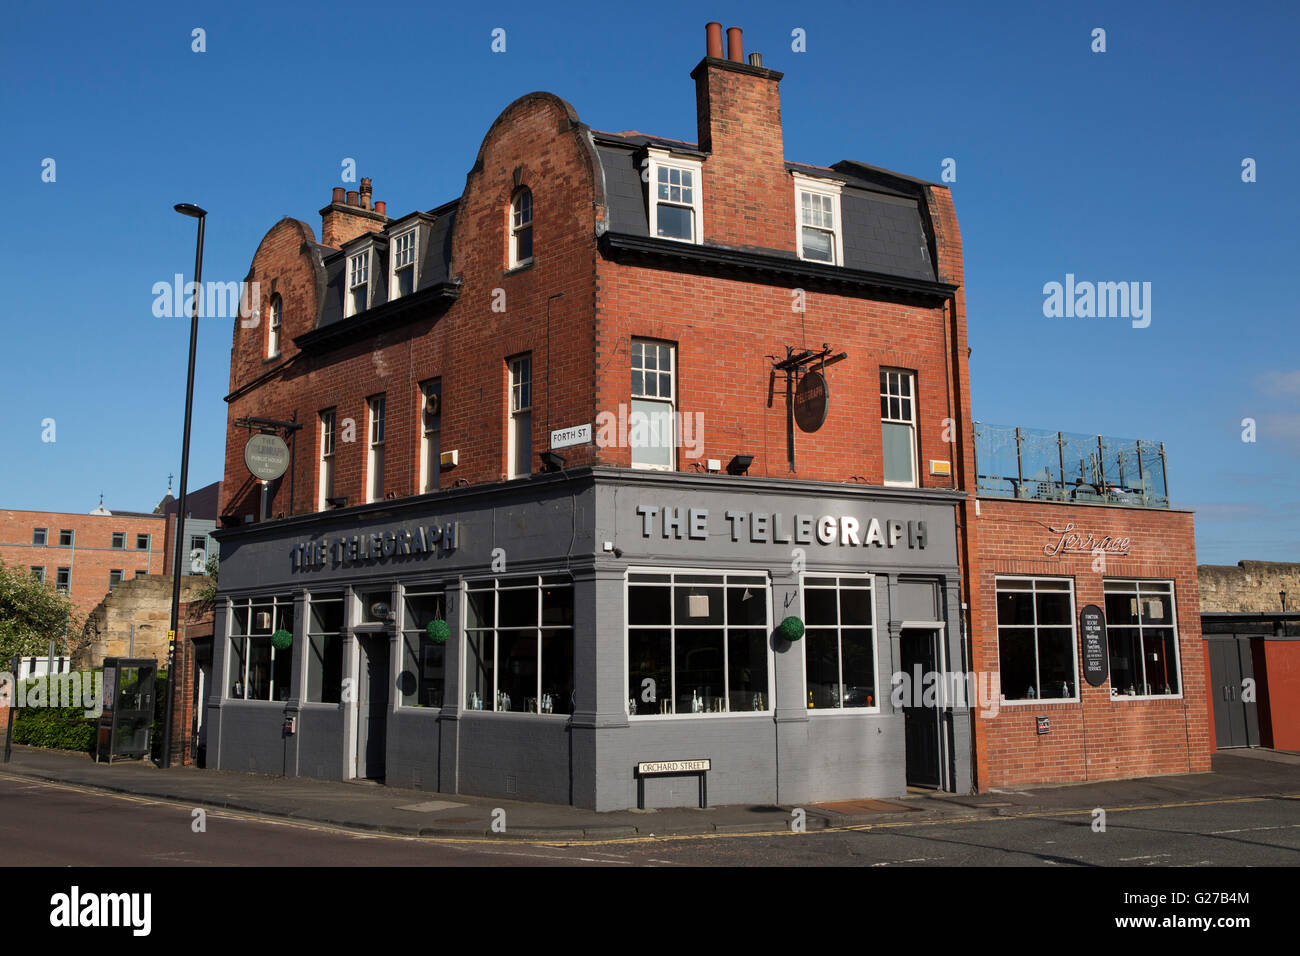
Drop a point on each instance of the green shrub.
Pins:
(55, 728)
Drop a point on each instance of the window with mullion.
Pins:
(423, 659)
(375, 456)
(839, 643)
(520, 425)
(651, 423)
(817, 220)
(404, 252)
(1037, 657)
(519, 645)
(1143, 636)
(257, 669)
(697, 643)
(521, 228)
(358, 282)
(326, 491)
(898, 427)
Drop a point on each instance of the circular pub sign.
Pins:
(267, 456)
(812, 398)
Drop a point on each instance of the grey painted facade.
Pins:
(596, 526)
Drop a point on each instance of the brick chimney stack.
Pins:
(351, 213)
(738, 116)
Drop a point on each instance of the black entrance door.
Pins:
(1235, 721)
(920, 717)
(372, 720)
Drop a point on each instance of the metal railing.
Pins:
(1040, 465)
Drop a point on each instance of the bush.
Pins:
(55, 728)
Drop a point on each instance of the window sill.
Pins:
(515, 270)
(701, 716)
(271, 358)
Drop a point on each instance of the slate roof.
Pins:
(885, 221)
(884, 212)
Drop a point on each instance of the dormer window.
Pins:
(273, 327)
(358, 282)
(521, 228)
(675, 200)
(820, 237)
(404, 251)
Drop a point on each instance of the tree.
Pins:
(32, 613)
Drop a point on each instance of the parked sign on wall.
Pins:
(1096, 653)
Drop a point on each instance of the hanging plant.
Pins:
(791, 628)
(281, 639)
(438, 631)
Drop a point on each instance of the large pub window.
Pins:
(697, 643)
(424, 656)
(258, 670)
(325, 648)
(1036, 646)
(839, 652)
(519, 645)
(1143, 635)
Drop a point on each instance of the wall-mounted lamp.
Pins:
(552, 461)
(340, 502)
(739, 465)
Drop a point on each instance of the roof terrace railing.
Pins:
(1039, 465)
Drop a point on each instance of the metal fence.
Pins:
(1040, 465)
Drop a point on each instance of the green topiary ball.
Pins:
(281, 639)
(791, 628)
(438, 631)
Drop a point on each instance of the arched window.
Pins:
(273, 327)
(521, 228)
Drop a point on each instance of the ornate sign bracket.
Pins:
(812, 401)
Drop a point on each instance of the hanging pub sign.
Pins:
(812, 398)
(1096, 652)
(267, 456)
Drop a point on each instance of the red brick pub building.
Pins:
(644, 456)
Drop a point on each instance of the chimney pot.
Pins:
(381, 208)
(352, 197)
(756, 59)
(735, 48)
(338, 194)
(713, 40)
(365, 193)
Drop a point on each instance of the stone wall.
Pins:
(1250, 586)
(144, 602)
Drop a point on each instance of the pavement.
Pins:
(1235, 775)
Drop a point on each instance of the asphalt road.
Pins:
(43, 824)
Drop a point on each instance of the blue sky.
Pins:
(1115, 166)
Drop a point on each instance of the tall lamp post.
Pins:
(185, 209)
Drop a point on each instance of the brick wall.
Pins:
(1096, 737)
(91, 556)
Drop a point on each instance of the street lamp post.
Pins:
(185, 209)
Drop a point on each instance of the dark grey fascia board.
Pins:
(437, 298)
(615, 245)
(584, 477)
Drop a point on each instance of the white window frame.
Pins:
(278, 601)
(909, 376)
(328, 424)
(1173, 610)
(657, 159)
(722, 573)
(395, 251)
(1074, 637)
(516, 226)
(358, 274)
(516, 414)
(495, 631)
(825, 188)
(429, 469)
(376, 432)
(273, 324)
(875, 640)
(671, 402)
